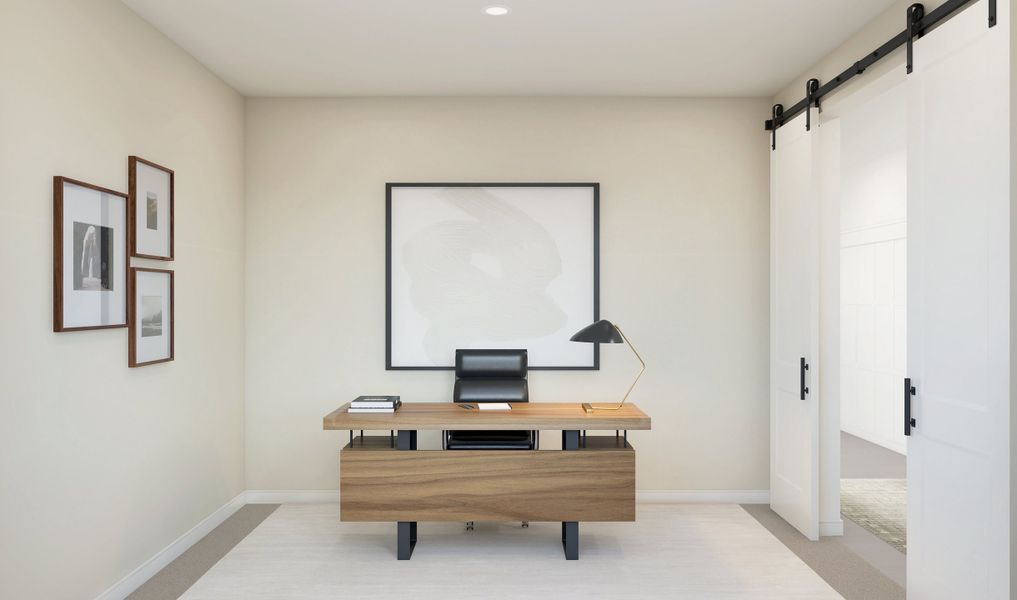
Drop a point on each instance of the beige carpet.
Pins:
(172, 581)
(680, 551)
(851, 575)
(879, 505)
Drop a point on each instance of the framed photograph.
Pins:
(151, 317)
(150, 192)
(89, 256)
(491, 265)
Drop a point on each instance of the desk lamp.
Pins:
(606, 332)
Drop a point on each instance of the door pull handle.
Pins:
(909, 391)
(802, 368)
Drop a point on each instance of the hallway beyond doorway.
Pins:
(876, 532)
(860, 459)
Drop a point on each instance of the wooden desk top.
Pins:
(524, 415)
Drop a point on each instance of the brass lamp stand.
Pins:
(606, 332)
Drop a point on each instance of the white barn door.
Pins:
(958, 309)
(794, 327)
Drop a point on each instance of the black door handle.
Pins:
(909, 391)
(802, 368)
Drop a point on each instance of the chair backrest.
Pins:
(491, 376)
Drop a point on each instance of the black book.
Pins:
(377, 402)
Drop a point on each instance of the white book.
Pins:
(370, 410)
(494, 406)
(378, 404)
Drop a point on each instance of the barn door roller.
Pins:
(919, 23)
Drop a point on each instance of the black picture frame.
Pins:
(388, 265)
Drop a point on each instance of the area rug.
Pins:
(879, 505)
(671, 552)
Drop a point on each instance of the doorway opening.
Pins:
(871, 196)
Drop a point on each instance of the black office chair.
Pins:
(490, 376)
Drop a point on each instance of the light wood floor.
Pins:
(671, 551)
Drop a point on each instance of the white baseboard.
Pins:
(831, 528)
(647, 496)
(292, 496)
(150, 567)
(701, 496)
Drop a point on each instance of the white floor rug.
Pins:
(672, 551)
(879, 505)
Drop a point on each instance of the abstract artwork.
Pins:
(507, 265)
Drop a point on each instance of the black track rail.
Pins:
(918, 24)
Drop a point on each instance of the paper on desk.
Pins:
(494, 406)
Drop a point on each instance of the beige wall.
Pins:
(684, 263)
(103, 466)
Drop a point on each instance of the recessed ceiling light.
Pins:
(497, 11)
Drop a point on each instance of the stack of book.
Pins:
(375, 404)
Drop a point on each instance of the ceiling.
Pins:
(542, 47)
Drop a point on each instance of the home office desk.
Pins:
(386, 478)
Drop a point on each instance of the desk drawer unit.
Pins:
(596, 482)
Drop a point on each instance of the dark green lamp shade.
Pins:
(601, 332)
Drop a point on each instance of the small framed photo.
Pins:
(150, 206)
(89, 256)
(151, 316)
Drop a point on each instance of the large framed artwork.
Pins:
(491, 265)
(150, 209)
(89, 256)
(151, 319)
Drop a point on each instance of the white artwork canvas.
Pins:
(491, 266)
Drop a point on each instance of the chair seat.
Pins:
(489, 440)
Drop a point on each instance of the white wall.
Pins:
(684, 247)
(103, 466)
(873, 240)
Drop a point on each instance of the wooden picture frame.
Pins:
(151, 237)
(89, 284)
(138, 355)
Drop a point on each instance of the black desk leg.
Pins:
(407, 538)
(407, 439)
(570, 539)
(407, 530)
(570, 529)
